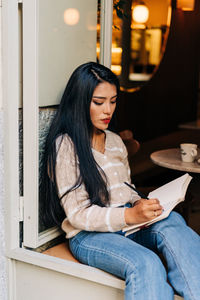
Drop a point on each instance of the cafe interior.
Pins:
(155, 54)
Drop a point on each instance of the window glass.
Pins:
(139, 39)
(67, 36)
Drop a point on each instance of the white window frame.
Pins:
(11, 37)
(106, 32)
(10, 84)
(31, 235)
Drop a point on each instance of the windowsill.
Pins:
(69, 268)
(66, 267)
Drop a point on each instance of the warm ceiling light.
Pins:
(140, 13)
(185, 4)
(71, 16)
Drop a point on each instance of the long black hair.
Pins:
(73, 118)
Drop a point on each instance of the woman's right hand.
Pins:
(144, 210)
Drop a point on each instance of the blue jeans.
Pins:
(134, 259)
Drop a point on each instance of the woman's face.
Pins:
(103, 105)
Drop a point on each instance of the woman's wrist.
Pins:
(129, 216)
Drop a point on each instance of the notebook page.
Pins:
(172, 191)
(169, 195)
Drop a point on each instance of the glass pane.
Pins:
(138, 44)
(116, 66)
(67, 37)
(98, 31)
(45, 118)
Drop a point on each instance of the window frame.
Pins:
(13, 66)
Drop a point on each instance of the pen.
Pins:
(138, 192)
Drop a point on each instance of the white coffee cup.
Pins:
(188, 152)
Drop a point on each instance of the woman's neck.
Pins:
(98, 140)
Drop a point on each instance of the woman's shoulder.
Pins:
(64, 142)
(113, 138)
(66, 151)
(112, 135)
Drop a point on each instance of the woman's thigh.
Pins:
(115, 254)
(180, 246)
(172, 233)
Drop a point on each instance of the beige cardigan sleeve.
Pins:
(76, 203)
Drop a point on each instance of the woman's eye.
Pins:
(114, 101)
(97, 103)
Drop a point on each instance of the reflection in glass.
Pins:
(98, 31)
(140, 13)
(66, 38)
(71, 16)
(187, 5)
(138, 45)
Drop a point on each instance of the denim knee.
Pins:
(148, 280)
(148, 266)
(173, 220)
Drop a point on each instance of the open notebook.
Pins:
(169, 196)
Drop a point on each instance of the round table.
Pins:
(171, 159)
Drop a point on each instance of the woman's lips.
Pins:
(106, 121)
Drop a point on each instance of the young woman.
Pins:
(86, 167)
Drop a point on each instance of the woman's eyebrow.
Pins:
(100, 97)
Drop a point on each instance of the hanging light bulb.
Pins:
(140, 13)
(187, 5)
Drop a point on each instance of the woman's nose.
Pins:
(107, 108)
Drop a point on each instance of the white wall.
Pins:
(3, 289)
(2, 211)
(0, 59)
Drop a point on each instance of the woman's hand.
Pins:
(143, 210)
